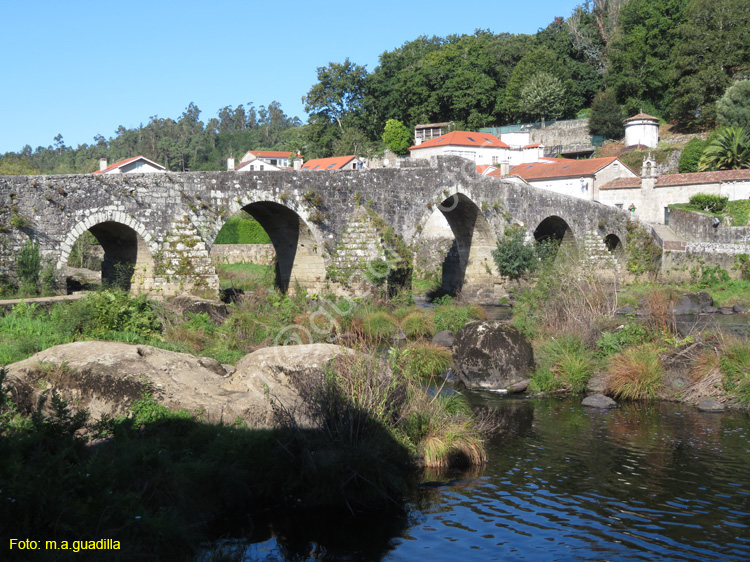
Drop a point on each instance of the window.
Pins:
(618, 205)
(261, 167)
(495, 160)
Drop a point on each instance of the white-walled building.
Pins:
(135, 165)
(649, 196)
(480, 148)
(642, 130)
(577, 178)
(277, 158)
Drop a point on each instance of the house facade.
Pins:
(135, 165)
(649, 196)
(576, 178)
(278, 158)
(480, 148)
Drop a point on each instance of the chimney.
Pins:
(230, 164)
(298, 163)
(504, 168)
(102, 164)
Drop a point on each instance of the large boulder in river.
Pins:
(108, 377)
(274, 375)
(492, 355)
(692, 303)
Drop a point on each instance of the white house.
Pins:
(577, 178)
(136, 165)
(648, 197)
(642, 130)
(278, 158)
(480, 148)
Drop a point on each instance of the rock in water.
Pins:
(492, 355)
(444, 338)
(599, 401)
(692, 303)
(711, 405)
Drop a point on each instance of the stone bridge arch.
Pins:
(128, 247)
(468, 265)
(296, 241)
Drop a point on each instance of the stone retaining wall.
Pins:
(700, 228)
(261, 254)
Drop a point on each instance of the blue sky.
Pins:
(82, 68)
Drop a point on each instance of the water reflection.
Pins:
(655, 482)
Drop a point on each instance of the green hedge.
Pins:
(242, 229)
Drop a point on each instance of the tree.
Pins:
(638, 55)
(713, 51)
(691, 155)
(396, 136)
(733, 108)
(606, 117)
(729, 150)
(543, 60)
(339, 92)
(542, 97)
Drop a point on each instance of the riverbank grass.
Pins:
(635, 374)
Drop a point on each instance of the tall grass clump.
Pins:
(423, 360)
(378, 325)
(373, 407)
(417, 324)
(565, 363)
(735, 365)
(635, 374)
(453, 316)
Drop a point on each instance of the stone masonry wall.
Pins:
(261, 254)
(699, 228)
(178, 215)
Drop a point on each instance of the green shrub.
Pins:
(29, 267)
(709, 203)
(513, 255)
(453, 317)
(242, 228)
(610, 343)
(379, 325)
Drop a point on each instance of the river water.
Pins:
(647, 482)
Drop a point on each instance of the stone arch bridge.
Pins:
(327, 228)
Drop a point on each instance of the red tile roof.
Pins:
(561, 168)
(641, 116)
(703, 177)
(623, 183)
(333, 163)
(269, 153)
(463, 138)
(125, 162)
